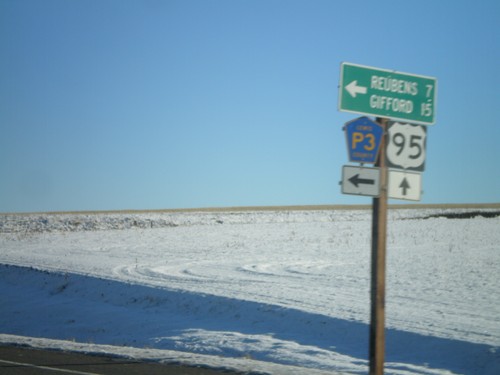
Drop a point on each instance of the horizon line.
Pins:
(324, 207)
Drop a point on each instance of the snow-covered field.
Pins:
(281, 292)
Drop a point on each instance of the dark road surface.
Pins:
(17, 360)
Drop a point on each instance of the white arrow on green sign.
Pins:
(386, 93)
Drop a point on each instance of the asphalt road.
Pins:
(17, 360)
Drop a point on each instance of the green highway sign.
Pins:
(386, 93)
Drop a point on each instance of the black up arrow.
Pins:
(404, 185)
(355, 180)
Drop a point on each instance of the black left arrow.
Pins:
(404, 185)
(356, 180)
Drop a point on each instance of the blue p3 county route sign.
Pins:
(363, 138)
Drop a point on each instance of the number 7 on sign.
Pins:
(429, 90)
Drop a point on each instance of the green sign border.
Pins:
(387, 93)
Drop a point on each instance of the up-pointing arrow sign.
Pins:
(405, 185)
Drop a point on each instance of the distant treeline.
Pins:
(464, 215)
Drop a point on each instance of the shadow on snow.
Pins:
(89, 309)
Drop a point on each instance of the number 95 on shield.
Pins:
(406, 146)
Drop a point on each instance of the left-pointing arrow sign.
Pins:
(361, 181)
(356, 180)
(353, 88)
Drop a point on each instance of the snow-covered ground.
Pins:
(281, 292)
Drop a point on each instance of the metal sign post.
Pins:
(400, 96)
(379, 236)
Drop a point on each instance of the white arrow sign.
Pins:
(353, 88)
(405, 185)
(361, 181)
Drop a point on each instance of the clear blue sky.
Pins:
(120, 104)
